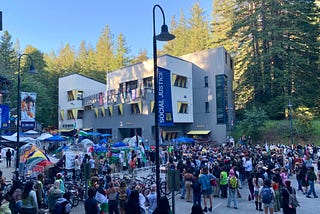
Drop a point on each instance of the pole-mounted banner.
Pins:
(164, 98)
(0, 20)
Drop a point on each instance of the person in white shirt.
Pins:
(142, 199)
(29, 199)
(77, 167)
(152, 199)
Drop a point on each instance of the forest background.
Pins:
(274, 45)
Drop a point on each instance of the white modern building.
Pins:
(197, 99)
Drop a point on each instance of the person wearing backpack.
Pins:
(232, 186)
(286, 191)
(63, 205)
(267, 196)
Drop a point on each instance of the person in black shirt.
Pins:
(91, 205)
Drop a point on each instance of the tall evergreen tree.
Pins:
(279, 54)
(121, 52)
(142, 56)
(178, 46)
(199, 32)
(104, 55)
(8, 56)
(66, 60)
(221, 24)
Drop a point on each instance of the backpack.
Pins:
(63, 207)
(266, 195)
(233, 182)
(293, 201)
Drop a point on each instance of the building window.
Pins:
(179, 81)
(147, 82)
(131, 85)
(226, 58)
(136, 108)
(79, 95)
(71, 95)
(80, 114)
(206, 104)
(206, 81)
(182, 107)
(221, 97)
(70, 115)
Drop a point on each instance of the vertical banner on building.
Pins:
(4, 116)
(164, 98)
(28, 106)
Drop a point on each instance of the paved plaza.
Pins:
(308, 205)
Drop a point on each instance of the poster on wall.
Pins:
(4, 116)
(164, 98)
(28, 106)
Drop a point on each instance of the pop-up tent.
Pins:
(56, 138)
(183, 140)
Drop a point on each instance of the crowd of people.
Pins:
(206, 172)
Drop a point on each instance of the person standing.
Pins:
(206, 189)
(113, 203)
(91, 205)
(224, 182)
(39, 190)
(233, 187)
(29, 200)
(311, 178)
(196, 190)
(267, 196)
(8, 158)
(188, 177)
(77, 167)
(53, 194)
(288, 189)
(257, 183)
(152, 199)
(123, 196)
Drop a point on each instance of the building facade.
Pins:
(197, 88)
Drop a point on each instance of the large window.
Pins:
(221, 97)
(136, 108)
(147, 82)
(131, 85)
(179, 81)
(70, 115)
(182, 107)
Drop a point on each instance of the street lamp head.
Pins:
(165, 35)
(32, 69)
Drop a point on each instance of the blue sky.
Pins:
(48, 25)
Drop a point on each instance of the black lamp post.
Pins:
(31, 70)
(163, 36)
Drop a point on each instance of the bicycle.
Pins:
(76, 193)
